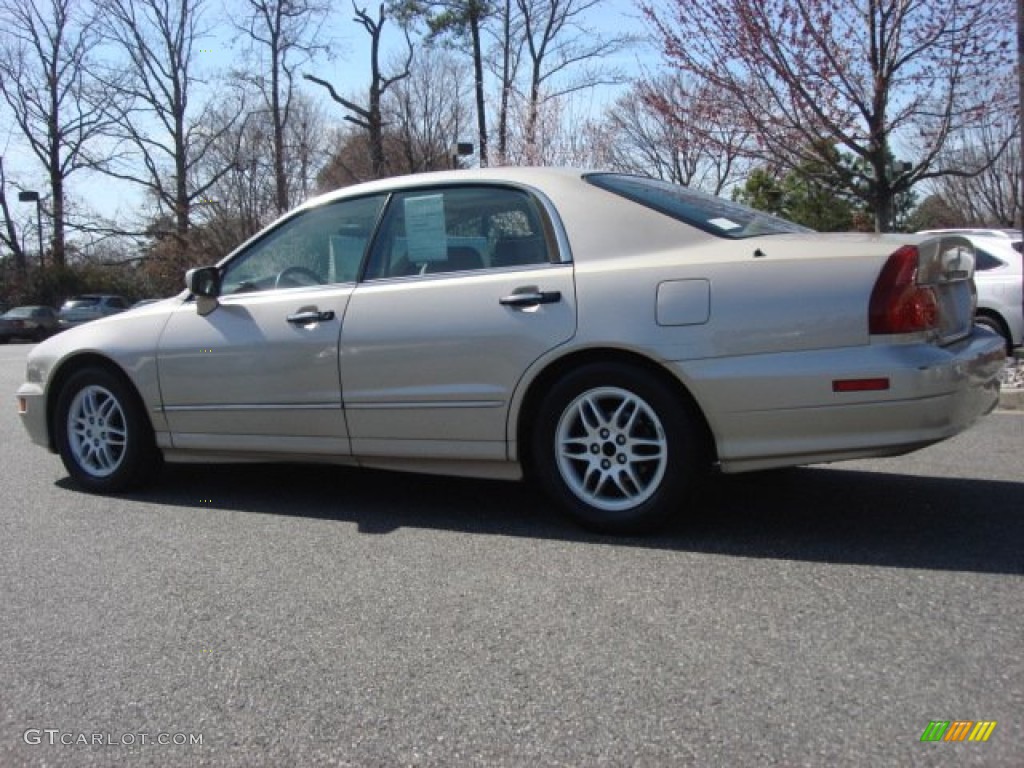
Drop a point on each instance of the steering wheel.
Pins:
(285, 275)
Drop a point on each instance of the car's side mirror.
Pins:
(204, 284)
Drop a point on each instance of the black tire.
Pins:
(996, 326)
(103, 435)
(618, 448)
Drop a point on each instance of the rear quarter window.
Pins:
(984, 261)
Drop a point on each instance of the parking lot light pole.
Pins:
(465, 149)
(30, 196)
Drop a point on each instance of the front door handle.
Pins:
(310, 316)
(530, 298)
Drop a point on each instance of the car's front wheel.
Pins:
(618, 447)
(103, 435)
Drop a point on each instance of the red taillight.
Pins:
(898, 303)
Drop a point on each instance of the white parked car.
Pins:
(998, 278)
(612, 336)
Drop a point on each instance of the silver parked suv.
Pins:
(90, 306)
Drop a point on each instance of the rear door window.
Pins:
(458, 229)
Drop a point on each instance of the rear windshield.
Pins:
(716, 215)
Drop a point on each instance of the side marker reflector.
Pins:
(860, 385)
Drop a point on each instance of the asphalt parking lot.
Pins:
(279, 616)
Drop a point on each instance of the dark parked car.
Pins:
(34, 322)
(90, 306)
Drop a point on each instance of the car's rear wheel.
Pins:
(618, 447)
(103, 435)
(995, 325)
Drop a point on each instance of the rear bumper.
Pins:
(780, 410)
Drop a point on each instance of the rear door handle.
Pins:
(310, 316)
(530, 298)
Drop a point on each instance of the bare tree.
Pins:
(675, 145)
(992, 196)
(9, 235)
(309, 145)
(508, 52)
(350, 161)
(244, 199)
(564, 56)
(241, 200)
(460, 22)
(45, 65)
(168, 137)
(370, 117)
(1020, 117)
(281, 34)
(568, 136)
(422, 114)
(428, 110)
(871, 76)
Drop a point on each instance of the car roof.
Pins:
(528, 175)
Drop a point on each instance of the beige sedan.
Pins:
(613, 337)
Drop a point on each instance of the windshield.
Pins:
(81, 303)
(20, 312)
(716, 215)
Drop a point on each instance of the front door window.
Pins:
(319, 246)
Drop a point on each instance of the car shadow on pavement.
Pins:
(819, 514)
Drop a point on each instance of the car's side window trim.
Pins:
(554, 230)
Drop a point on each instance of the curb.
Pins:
(1011, 400)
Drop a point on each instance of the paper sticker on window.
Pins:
(424, 228)
(725, 224)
